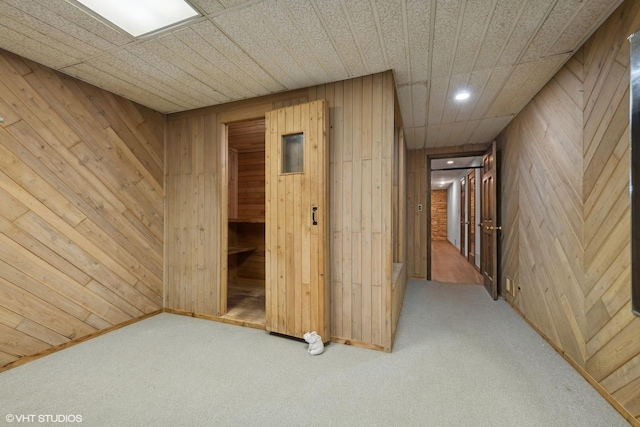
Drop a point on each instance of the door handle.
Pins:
(314, 211)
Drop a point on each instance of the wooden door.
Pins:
(463, 228)
(297, 220)
(471, 224)
(489, 234)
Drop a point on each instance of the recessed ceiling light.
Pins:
(140, 17)
(450, 162)
(462, 95)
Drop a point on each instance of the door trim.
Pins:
(441, 153)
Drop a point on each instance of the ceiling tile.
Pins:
(335, 21)
(294, 39)
(208, 6)
(491, 91)
(457, 83)
(525, 81)
(558, 20)
(365, 31)
(246, 28)
(419, 96)
(420, 135)
(391, 15)
(476, 86)
(477, 15)
(23, 45)
(445, 37)
(82, 19)
(488, 129)
(529, 21)
(587, 18)
(437, 99)
(419, 27)
(241, 63)
(406, 105)
(503, 21)
(212, 68)
(136, 92)
(307, 20)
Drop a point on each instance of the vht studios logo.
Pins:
(43, 418)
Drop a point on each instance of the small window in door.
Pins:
(293, 153)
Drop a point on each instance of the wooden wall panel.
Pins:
(548, 139)
(82, 209)
(566, 157)
(361, 171)
(416, 220)
(613, 348)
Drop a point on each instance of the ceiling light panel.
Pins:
(140, 17)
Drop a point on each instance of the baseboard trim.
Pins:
(54, 349)
(594, 383)
(216, 318)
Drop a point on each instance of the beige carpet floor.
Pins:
(460, 359)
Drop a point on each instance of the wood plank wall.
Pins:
(417, 220)
(576, 203)
(361, 168)
(81, 209)
(438, 214)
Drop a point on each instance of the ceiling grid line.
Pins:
(306, 39)
(432, 27)
(523, 52)
(345, 10)
(285, 45)
(227, 54)
(203, 63)
(383, 47)
(330, 36)
(269, 73)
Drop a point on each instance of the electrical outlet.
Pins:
(510, 287)
(419, 208)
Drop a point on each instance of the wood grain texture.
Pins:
(361, 117)
(82, 216)
(566, 157)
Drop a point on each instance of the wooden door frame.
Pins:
(471, 226)
(467, 150)
(463, 214)
(223, 188)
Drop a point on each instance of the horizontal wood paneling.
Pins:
(82, 209)
(361, 172)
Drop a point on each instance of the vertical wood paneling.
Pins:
(361, 177)
(416, 220)
(82, 217)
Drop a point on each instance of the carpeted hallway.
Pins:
(460, 359)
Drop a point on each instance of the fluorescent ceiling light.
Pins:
(140, 17)
(462, 95)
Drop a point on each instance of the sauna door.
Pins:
(489, 234)
(297, 220)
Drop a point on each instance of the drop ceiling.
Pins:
(502, 51)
